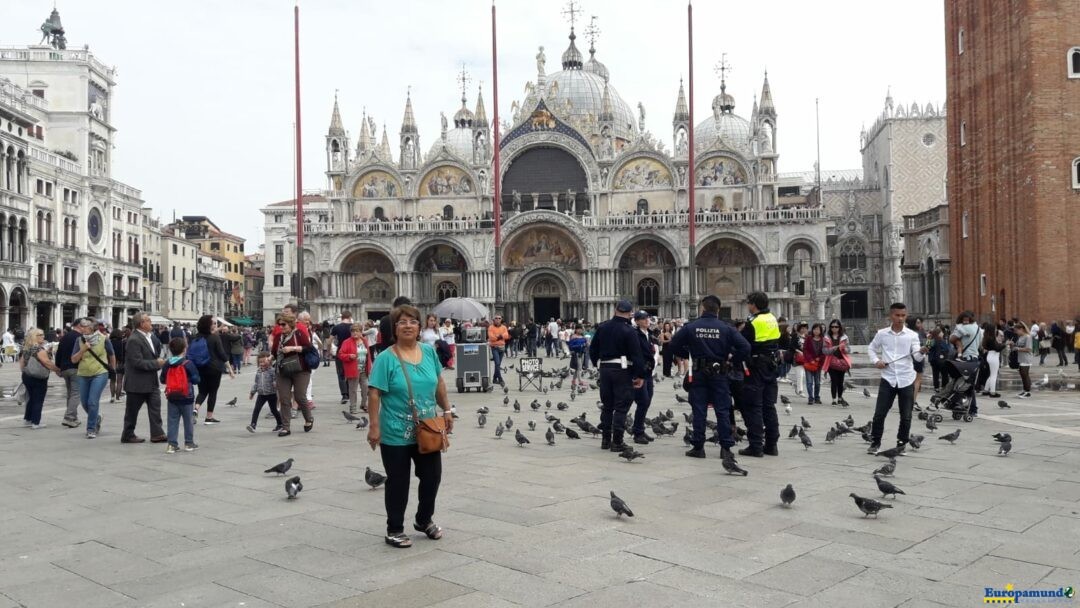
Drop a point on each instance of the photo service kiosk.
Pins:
(473, 361)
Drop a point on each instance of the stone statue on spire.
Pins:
(541, 61)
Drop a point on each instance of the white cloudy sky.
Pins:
(204, 102)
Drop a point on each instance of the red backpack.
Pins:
(177, 386)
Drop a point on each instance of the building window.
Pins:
(1074, 62)
(1076, 173)
(964, 225)
(277, 219)
(982, 284)
(448, 213)
(963, 133)
(279, 280)
(648, 293)
(642, 206)
(960, 41)
(447, 289)
(852, 255)
(279, 254)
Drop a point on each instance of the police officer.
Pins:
(616, 352)
(762, 331)
(713, 347)
(643, 396)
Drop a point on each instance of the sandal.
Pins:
(308, 425)
(284, 433)
(399, 540)
(432, 530)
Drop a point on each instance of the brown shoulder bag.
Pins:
(430, 432)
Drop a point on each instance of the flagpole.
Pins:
(692, 208)
(496, 178)
(299, 165)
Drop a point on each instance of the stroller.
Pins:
(959, 392)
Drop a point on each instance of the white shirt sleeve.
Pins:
(872, 350)
(916, 349)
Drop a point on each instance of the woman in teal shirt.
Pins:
(393, 429)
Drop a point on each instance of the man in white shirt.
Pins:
(894, 350)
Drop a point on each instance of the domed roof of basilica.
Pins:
(580, 86)
(733, 130)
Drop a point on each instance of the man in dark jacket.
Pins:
(142, 363)
(70, 373)
(386, 332)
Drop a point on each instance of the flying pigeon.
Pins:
(630, 454)
(350, 417)
(499, 431)
(805, 424)
(231, 402)
(1004, 404)
(807, 444)
(362, 424)
(373, 479)
(481, 420)
(293, 486)
(1005, 448)
(521, 438)
(866, 393)
(787, 495)
(886, 487)
(1002, 437)
(732, 468)
(869, 506)
(619, 506)
(572, 434)
(280, 468)
(886, 469)
(951, 437)
(550, 436)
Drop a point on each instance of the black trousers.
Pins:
(209, 382)
(397, 460)
(134, 403)
(261, 400)
(343, 386)
(887, 393)
(616, 393)
(836, 383)
(759, 412)
(668, 356)
(715, 390)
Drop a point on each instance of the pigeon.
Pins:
(886, 469)
(1002, 437)
(866, 393)
(889, 453)
(562, 406)
(807, 444)
(830, 436)
(481, 420)
(679, 398)
(547, 404)
(930, 424)
(794, 432)
(521, 438)
(532, 425)
(869, 506)
(572, 434)
(886, 487)
(867, 437)
(915, 441)
(483, 410)
(785, 400)
(630, 454)
(362, 424)
(787, 495)
(550, 436)
(619, 506)
(506, 400)
(688, 439)
(849, 421)
(951, 437)
(350, 417)
(509, 423)
(805, 424)
(559, 428)
(499, 431)
(373, 479)
(1004, 404)
(231, 402)
(1005, 448)
(732, 468)
(280, 468)
(848, 384)
(517, 406)
(535, 405)
(293, 486)
(506, 390)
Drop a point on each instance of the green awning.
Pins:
(243, 321)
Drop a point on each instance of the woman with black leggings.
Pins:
(837, 361)
(211, 372)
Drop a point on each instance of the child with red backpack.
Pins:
(179, 375)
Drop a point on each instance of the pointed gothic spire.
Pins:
(480, 116)
(384, 146)
(408, 123)
(766, 96)
(606, 111)
(682, 110)
(336, 128)
(363, 142)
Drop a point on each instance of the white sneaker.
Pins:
(27, 424)
(38, 426)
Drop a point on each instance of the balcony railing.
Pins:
(55, 160)
(46, 284)
(14, 270)
(15, 53)
(119, 293)
(71, 287)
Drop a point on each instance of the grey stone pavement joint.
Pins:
(97, 523)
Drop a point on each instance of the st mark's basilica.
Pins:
(594, 208)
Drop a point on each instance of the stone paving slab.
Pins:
(97, 523)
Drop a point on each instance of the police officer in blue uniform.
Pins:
(616, 352)
(643, 396)
(762, 331)
(713, 347)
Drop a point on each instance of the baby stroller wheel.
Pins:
(923, 415)
(956, 415)
(968, 418)
(938, 418)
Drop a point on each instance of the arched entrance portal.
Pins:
(94, 291)
(367, 275)
(439, 273)
(649, 276)
(729, 270)
(545, 295)
(543, 265)
(545, 177)
(17, 310)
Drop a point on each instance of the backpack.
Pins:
(199, 352)
(177, 386)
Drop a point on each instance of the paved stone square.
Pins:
(98, 523)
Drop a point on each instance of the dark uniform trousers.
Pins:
(643, 398)
(759, 411)
(616, 393)
(706, 389)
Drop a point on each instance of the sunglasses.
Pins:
(282, 324)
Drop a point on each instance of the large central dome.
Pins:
(733, 130)
(580, 86)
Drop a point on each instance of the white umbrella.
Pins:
(460, 308)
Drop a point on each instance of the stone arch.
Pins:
(375, 170)
(550, 172)
(632, 243)
(623, 162)
(544, 244)
(356, 246)
(709, 164)
(526, 285)
(729, 266)
(804, 241)
(739, 238)
(511, 151)
(418, 253)
(453, 175)
(522, 221)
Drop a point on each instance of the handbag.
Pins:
(34, 368)
(840, 364)
(431, 434)
(288, 364)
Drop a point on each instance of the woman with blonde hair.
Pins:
(36, 366)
